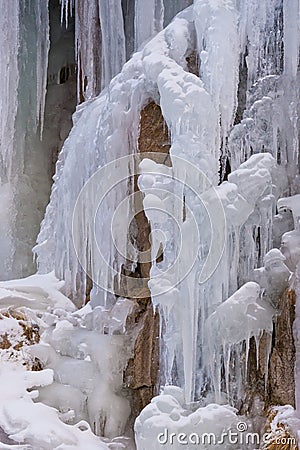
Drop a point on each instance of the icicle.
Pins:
(9, 74)
(257, 342)
(43, 46)
(291, 36)
(216, 27)
(226, 357)
(247, 354)
(267, 356)
(88, 49)
(113, 39)
(66, 9)
(149, 16)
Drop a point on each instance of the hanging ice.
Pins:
(22, 104)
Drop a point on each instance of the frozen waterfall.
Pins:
(175, 200)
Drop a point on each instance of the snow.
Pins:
(51, 408)
(36, 292)
(35, 423)
(166, 414)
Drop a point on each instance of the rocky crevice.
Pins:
(142, 373)
(263, 396)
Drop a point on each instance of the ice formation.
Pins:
(232, 117)
(200, 114)
(108, 33)
(225, 335)
(22, 109)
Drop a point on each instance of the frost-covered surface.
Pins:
(52, 408)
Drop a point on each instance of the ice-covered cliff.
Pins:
(175, 198)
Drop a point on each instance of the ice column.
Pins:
(24, 36)
(149, 15)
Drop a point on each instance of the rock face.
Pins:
(142, 373)
(282, 362)
(154, 133)
(279, 389)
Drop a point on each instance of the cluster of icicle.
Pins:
(14, 46)
(200, 113)
(107, 33)
(248, 58)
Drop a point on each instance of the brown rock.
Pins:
(141, 374)
(280, 386)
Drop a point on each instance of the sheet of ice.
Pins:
(200, 114)
(219, 51)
